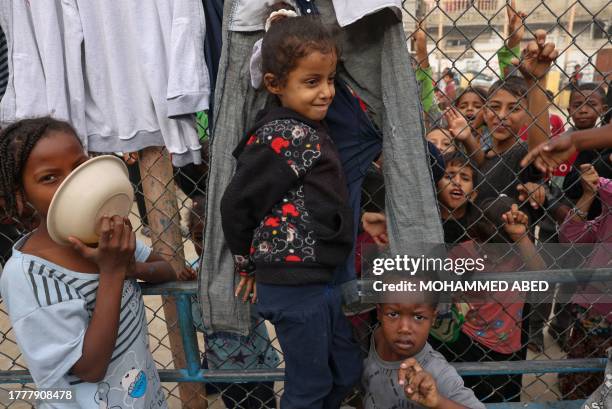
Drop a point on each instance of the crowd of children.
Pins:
(287, 222)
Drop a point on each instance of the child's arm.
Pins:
(589, 179)
(547, 157)
(420, 387)
(459, 128)
(263, 177)
(537, 58)
(157, 270)
(516, 225)
(511, 49)
(259, 183)
(576, 228)
(424, 74)
(113, 256)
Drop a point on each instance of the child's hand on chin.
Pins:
(115, 251)
(419, 386)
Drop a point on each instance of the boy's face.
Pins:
(470, 105)
(441, 140)
(585, 108)
(405, 328)
(505, 114)
(456, 188)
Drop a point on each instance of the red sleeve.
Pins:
(557, 126)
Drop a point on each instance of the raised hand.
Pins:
(515, 223)
(419, 386)
(457, 125)
(536, 58)
(589, 179)
(516, 27)
(420, 43)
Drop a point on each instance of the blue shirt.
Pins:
(50, 308)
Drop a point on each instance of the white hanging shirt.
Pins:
(124, 73)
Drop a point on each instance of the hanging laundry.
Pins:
(376, 65)
(213, 10)
(249, 15)
(127, 74)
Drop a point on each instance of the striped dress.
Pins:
(50, 308)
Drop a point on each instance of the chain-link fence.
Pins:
(482, 119)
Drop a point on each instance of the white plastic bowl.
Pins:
(98, 187)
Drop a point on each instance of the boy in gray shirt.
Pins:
(402, 370)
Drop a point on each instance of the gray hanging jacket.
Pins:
(376, 64)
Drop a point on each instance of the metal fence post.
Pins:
(164, 221)
(190, 342)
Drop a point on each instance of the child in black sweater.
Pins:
(286, 220)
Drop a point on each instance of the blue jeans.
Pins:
(322, 361)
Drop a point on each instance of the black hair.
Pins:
(436, 162)
(290, 39)
(479, 91)
(459, 158)
(439, 126)
(516, 86)
(431, 298)
(16, 143)
(598, 89)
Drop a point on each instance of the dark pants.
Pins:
(322, 361)
(250, 395)
(136, 180)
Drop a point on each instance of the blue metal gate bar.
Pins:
(190, 341)
(182, 291)
(551, 276)
(464, 368)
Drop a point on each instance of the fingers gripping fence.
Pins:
(561, 358)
